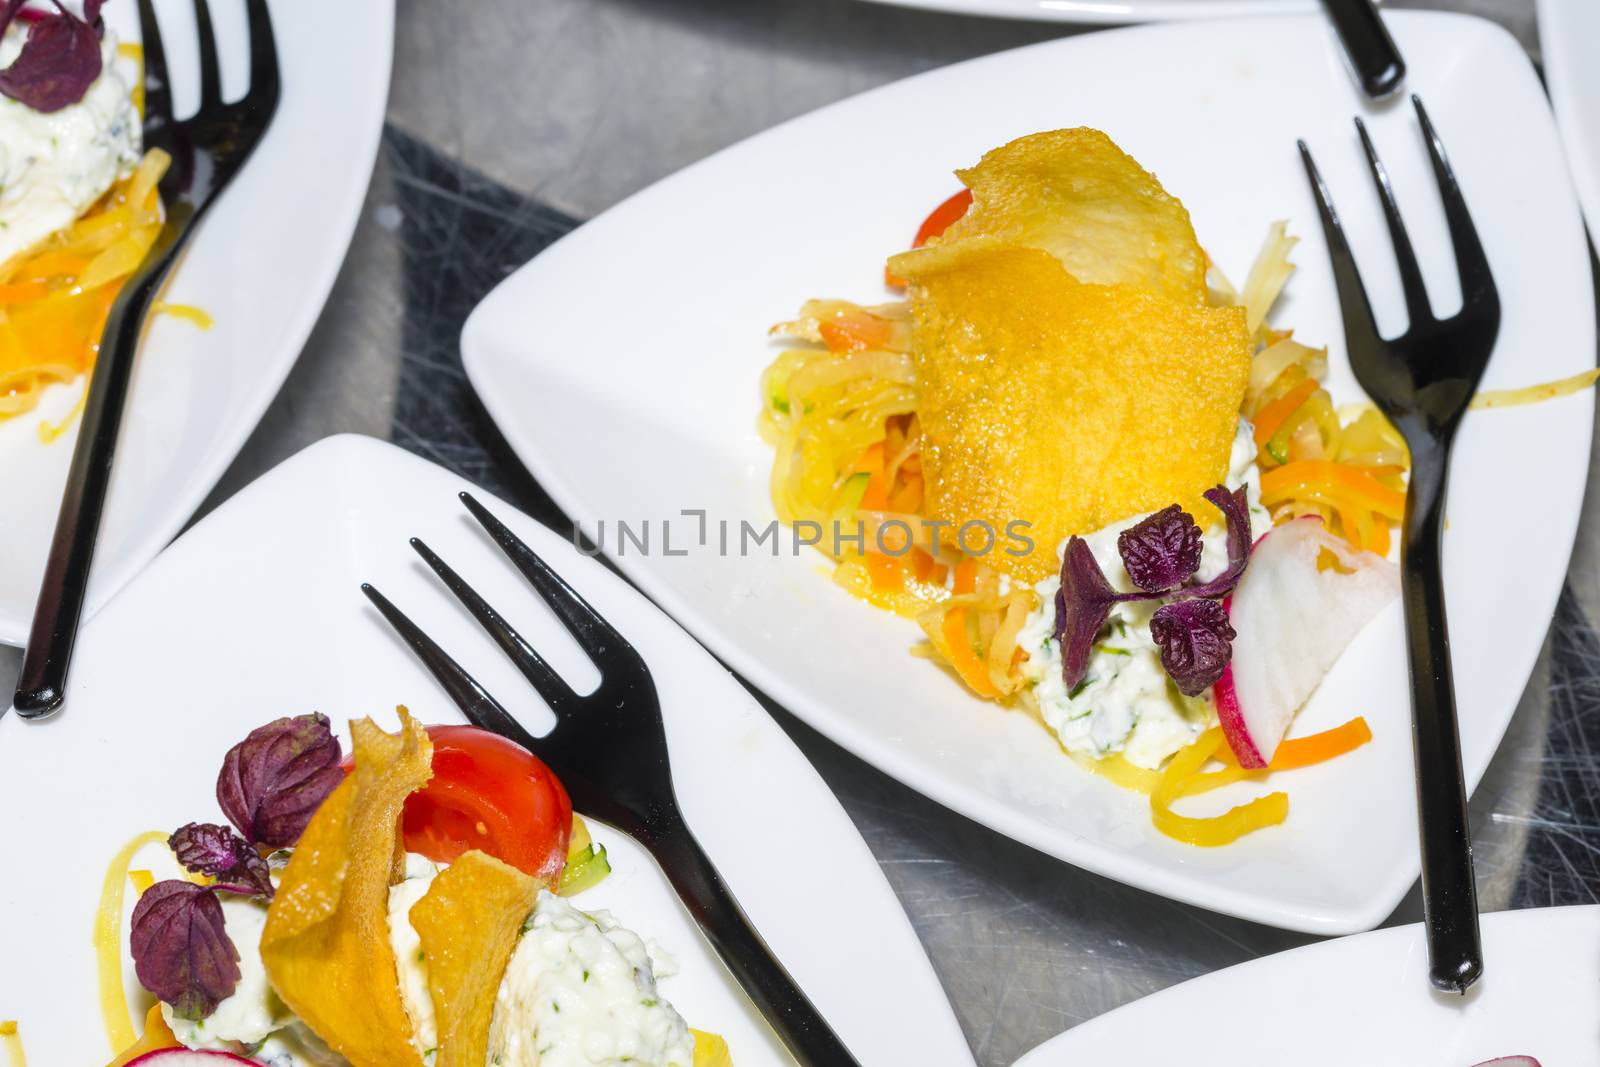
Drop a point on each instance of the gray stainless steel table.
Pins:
(512, 119)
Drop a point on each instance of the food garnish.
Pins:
(222, 855)
(274, 780)
(1160, 553)
(1305, 597)
(469, 922)
(59, 60)
(1195, 642)
(181, 949)
(326, 943)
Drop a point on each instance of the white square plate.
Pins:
(261, 265)
(256, 613)
(622, 365)
(1367, 1000)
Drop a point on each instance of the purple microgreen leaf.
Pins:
(181, 949)
(216, 851)
(273, 781)
(1083, 604)
(1161, 551)
(1196, 641)
(59, 60)
(1235, 510)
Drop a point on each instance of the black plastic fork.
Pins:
(609, 748)
(208, 148)
(1423, 381)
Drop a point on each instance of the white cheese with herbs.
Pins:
(1126, 702)
(54, 166)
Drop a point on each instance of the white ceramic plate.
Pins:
(1109, 11)
(1366, 1000)
(622, 365)
(256, 613)
(1566, 29)
(262, 266)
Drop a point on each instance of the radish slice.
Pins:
(1304, 598)
(1510, 1061)
(188, 1057)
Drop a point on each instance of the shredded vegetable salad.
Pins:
(841, 412)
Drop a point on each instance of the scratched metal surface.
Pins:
(512, 119)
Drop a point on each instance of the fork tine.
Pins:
(1477, 282)
(540, 675)
(1359, 327)
(210, 71)
(480, 708)
(597, 637)
(1417, 306)
(157, 86)
(264, 79)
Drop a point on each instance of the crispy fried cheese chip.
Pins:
(326, 943)
(1078, 196)
(1067, 405)
(469, 923)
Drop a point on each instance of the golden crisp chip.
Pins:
(326, 943)
(469, 922)
(1078, 196)
(1065, 405)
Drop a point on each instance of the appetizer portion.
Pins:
(1058, 454)
(79, 206)
(408, 905)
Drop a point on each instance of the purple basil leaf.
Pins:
(209, 849)
(273, 781)
(1083, 603)
(59, 61)
(181, 949)
(1196, 641)
(1236, 511)
(1162, 551)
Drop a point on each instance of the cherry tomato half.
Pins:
(490, 794)
(939, 220)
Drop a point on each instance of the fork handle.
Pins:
(1449, 894)
(776, 995)
(42, 684)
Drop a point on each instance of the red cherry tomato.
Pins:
(490, 794)
(939, 220)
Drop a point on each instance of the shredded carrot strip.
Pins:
(887, 572)
(856, 333)
(966, 576)
(958, 649)
(1276, 413)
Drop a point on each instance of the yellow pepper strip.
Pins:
(710, 1050)
(1350, 489)
(1269, 810)
(13, 1044)
(107, 942)
(187, 312)
(157, 1035)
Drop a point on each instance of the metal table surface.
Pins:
(509, 121)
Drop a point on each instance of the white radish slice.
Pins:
(188, 1057)
(1304, 597)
